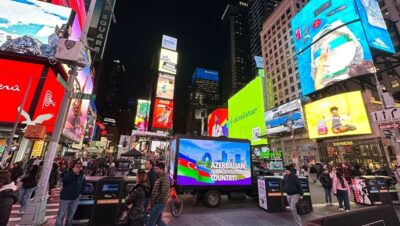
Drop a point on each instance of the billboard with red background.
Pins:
(163, 112)
(77, 5)
(14, 80)
(49, 101)
(219, 116)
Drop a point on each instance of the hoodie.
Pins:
(8, 196)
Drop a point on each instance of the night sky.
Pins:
(136, 39)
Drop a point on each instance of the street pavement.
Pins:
(241, 213)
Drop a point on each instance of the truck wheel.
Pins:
(212, 199)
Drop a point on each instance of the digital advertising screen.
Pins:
(374, 25)
(124, 144)
(339, 55)
(339, 115)
(169, 42)
(168, 61)
(259, 61)
(77, 5)
(163, 112)
(31, 33)
(285, 118)
(75, 122)
(49, 102)
(213, 163)
(142, 115)
(165, 86)
(218, 123)
(246, 113)
(172, 156)
(318, 18)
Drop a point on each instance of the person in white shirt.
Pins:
(217, 128)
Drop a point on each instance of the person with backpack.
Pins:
(326, 183)
(292, 187)
(342, 191)
(136, 199)
(8, 196)
(29, 183)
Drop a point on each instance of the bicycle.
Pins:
(174, 202)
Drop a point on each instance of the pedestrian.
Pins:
(326, 182)
(332, 174)
(151, 176)
(8, 196)
(29, 183)
(342, 191)
(294, 192)
(313, 173)
(16, 172)
(73, 183)
(136, 199)
(159, 196)
(53, 179)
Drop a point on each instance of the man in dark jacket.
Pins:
(16, 172)
(8, 196)
(159, 196)
(73, 183)
(29, 183)
(326, 182)
(294, 192)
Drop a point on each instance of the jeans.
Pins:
(292, 201)
(328, 195)
(24, 195)
(67, 207)
(343, 196)
(156, 215)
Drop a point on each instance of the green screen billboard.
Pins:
(246, 113)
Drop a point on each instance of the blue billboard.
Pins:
(341, 54)
(311, 23)
(374, 25)
(259, 61)
(284, 118)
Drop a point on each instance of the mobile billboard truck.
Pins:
(209, 167)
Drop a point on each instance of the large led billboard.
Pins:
(163, 112)
(28, 26)
(75, 123)
(374, 25)
(218, 123)
(339, 115)
(77, 5)
(213, 163)
(165, 86)
(168, 61)
(142, 115)
(169, 42)
(246, 113)
(339, 55)
(285, 118)
(314, 20)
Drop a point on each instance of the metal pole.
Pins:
(9, 141)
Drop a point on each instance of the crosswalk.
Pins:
(51, 211)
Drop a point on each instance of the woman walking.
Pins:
(326, 182)
(342, 190)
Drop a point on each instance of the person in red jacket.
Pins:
(342, 191)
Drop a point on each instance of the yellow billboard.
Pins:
(339, 115)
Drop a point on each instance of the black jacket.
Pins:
(136, 197)
(152, 180)
(72, 186)
(16, 172)
(8, 197)
(31, 179)
(325, 180)
(291, 184)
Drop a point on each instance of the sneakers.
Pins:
(331, 204)
(327, 204)
(341, 209)
(347, 211)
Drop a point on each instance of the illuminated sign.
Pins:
(285, 118)
(163, 113)
(339, 115)
(218, 123)
(168, 61)
(169, 42)
(142, 115)
(37, 149)
(165, 86)
(77, 5)
(342, 143)
(259, 61)
(31, 33)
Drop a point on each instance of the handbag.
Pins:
(123, 218)
(303, 207)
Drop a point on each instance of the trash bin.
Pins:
(83, 213)
(374, 190)
(270, 193)
(306, 189)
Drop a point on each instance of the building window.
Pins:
(394, 83)
(290, 71)
(285, 83)
(287, 100)
(281, 102)
(291, 79)
(286, 92)
(274, 88)
(292, 89)
(298, 85)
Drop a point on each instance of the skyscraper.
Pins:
(224, 157)
(236, 69)
(237, 158)
(259, 10)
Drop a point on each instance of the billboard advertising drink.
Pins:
(374, 25)
(165, 86)
(31, 33)
(213, 163)
(246, 113)
(162, 117)
(142, 115)
(168, 61)
(285, 118)
(339, 55)
(339, 115)
(75, 123)
(312, 22)
(218, 123)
